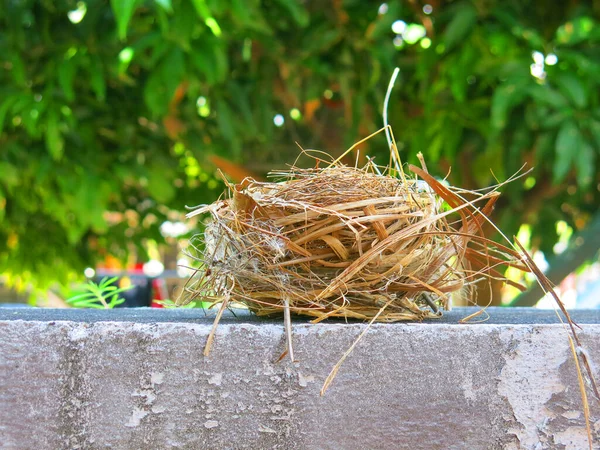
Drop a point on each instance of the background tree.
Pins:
(113, 115)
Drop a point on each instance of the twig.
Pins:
(337, 366)
(211, 336)
(287, 321)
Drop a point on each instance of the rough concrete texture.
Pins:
(109, 385)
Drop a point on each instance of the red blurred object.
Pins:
(159, 292)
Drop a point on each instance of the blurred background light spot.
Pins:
(37, 98)
(399, 26)
(203, 106)
(383, 8)
(173, 229)
(398, 42)
(537, 68)
(153, 268)
(537, 71)
(89, 272)
(295, 114)
(76, 15)
(184, 268)
(551, 59)
(529, 183)
(564, 233)
(413, 33)
(278, 120)
(524, 235)
(538, 57)
(471, 79)
(427, 9)
(126, 55)
(425, 43)
(328, 94)
(72, 51)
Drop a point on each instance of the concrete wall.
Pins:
(128, 385)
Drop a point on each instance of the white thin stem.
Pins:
(287, 320)
(385, 116)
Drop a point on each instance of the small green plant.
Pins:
(167, 303)
(103, 295)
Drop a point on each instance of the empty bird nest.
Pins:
(371, 243)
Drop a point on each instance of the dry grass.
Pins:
(342, 241)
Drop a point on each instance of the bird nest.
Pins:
(369, 243)
(338, 241)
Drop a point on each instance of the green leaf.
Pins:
(296, 10)
(568, 143)
(76, 298)
(202, 63)
(159, 185)
(533, 38)
(18, 69)
(165, 4)
(183, 27)
(586, 63)
(225, 120)
(575, 31)
(54, 140)
(123, 11)
(89, 201)
(460, 26)
(105, 282)
(503, 100)
(163, 81)
(66, 75)
(241, 99)
(573, 88)
(201, 8)
(585, 164)
(594, 127)
(4, 108)
(97, 79)
(116, 300)
(553, 120)
(250, 15)
(204, 13)
(9, 174)
(91, 303)
(320, 39)
(548, 96)
(221, 63)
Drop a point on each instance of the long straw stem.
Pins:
(388, 135)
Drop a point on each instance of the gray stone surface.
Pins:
(146, 385)
(495, 315)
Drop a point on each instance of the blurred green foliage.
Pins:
(119, 107)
